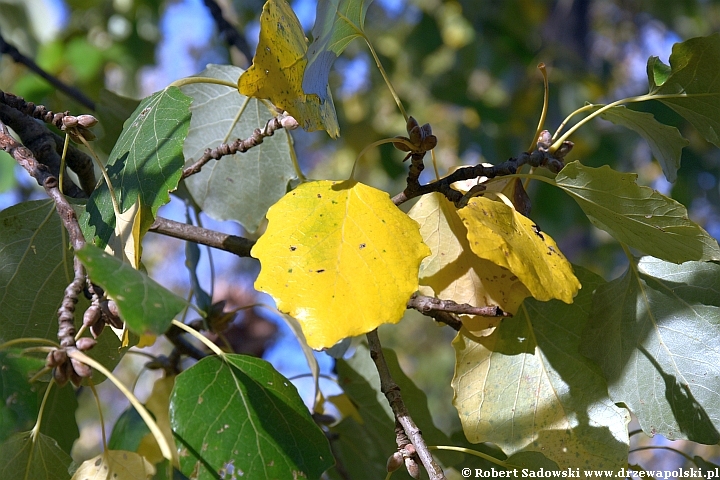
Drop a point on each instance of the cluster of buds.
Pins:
(66, 368)
(405, 455)
(100, 313)
(79, 126)
(421, 138)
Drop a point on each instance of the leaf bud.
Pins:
(394, 462)
(288, 122)
(415, 135)
(411, 123)
(412, 467)
(85, 343)
(70, 121)
(401, 146)
(55, 358)
(87, 121)
(91, 315)
(80, 368)
(97, 328)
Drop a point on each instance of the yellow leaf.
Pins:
(158, 403)
(500, 234)
(453, 271)
(115, 465)
(346, 407)
(278, 69)
(340, 258)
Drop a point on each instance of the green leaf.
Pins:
(243, 186)
(19, 399)
(145, 305)
(635, 215)
(112, 111)
(337, 23)
(129, 430)
(693, 73)
(655, 333)
(526, 387)
(238, 413)
(36, 268)
(59, 415)
(7, 172)
(22, 458)
(665, 142)
(146, 162)
(657, 72)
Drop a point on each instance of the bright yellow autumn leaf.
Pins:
(278, 69)
(500, 234)
(453, 271)
(339, 257)
(115, 465)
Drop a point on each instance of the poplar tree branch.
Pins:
(241, 146)
(536, 158)
(227, 31)
(230, 243)
(64, 368)
(391, 390)
(427, 305)
(18, 115)
(71, 92)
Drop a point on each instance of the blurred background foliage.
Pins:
(467, 67)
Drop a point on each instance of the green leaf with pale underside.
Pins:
(145, 305)
(636, 215)
(665, 141)
(22, 458)
(146, 162)
(238, 414)
(693, 73)
(242, 186)
(655, 332)
(337, 23)
(526, 387)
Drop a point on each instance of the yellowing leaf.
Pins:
(340, 258)
(278, 69)
(453, 271)
(158, 403)
(115, 465)
(501, 235)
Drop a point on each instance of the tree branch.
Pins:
(65, 368)
(230, 243)
(281, 121)
(536, 158)
(71, 92)
(227, 31)
(427, 305)
(392, 393)
(39, 139)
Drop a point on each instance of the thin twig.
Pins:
(72, 92)
(38, 139)
(227, 31)
(426, 305)
(536, 158)
(66, 313)
(240, 246)
(281, 121)
(392, 393)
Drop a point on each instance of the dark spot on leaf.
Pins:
(362, 245)
(293, 248)
(551, 250)
(319, 196)
(537, 231)
(320, 271)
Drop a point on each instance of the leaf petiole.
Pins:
(192, 80)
